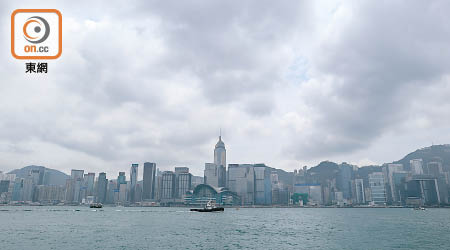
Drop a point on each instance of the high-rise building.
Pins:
(416, 166)
(17, 189)
(211, 174)
(27, 190)
(148, 188)
(197, 180)
(220, 153)
(122, 192)
(112, 195)
(74, 186)
(138, 192)
(344, 178)
(4, 186)
(76, 174)
(393, 182)
(158, 184)
(359, 191)
(168, 186)
(377, 188)
(220, 160)
(90, 180)
(241, 180)
(215, 174)
(121, 179)
(183, 181)
(133, 181)
(102, 183)
(263, 185)
(37, 175)
(434, 168)
(7, 177)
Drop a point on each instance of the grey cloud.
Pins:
(156, 80)
(377, 61)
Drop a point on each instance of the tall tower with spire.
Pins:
(220, 153)
(216, 173)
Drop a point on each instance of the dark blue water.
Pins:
(257, 228)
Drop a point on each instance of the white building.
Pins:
(416, 166)
(377, 188)
(215, 173)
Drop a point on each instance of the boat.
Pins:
(419, 208)
(96, 205)
(209, 207)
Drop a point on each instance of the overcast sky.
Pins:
(290, 83)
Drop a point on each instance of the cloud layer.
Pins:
(288, 83)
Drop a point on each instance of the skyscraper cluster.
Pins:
(421, 182)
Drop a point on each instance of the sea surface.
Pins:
(247, 228)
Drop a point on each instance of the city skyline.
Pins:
(200, 170)
(413, 181)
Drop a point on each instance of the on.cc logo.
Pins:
(37, 25)
(36, 34)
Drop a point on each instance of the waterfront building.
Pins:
(148, 189)
(423, 189)
(344, 178)
(158, 184)
(112, 194)
(168, 186)
(211, 174)
(203, 193)
(102, 184)
(133, 182)
(122, 192)
(280, 194)
(50, 194)
(69, 190)
(359, 191)
(90, 181)
(393, 192)
(138, 192)
(17, 189)
(241, 180)
(377, 188)
(27, 189)
(76, 185)
(263, 185)
(183, 181)
(312, 190)
(215, 173)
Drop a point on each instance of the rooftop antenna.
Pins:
(220, 133)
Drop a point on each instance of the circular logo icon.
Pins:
(36, 29)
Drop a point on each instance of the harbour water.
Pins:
(247, 228)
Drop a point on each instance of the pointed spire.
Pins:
(220, 142)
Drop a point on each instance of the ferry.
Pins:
(209, 207)
(96, 205)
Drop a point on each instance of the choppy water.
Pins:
(257, 228)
